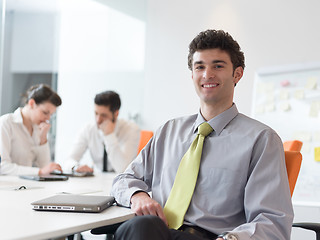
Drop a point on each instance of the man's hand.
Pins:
(84, 168)
(107, 126)
(142, 204)
(44, 129)
(49, 168)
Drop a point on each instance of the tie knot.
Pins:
(205, 129)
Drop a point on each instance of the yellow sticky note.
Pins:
(299, 94)
(317, 154)
(314, 109)
(269, 87)
(259, 109)
(316, 136)
(284, 95)
(311, 83)
(270, 107)
(285, 107)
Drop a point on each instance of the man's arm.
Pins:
(136, 178)
(267, 199)
(122, 148)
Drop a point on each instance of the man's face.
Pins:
(103, 113)
(213, 77)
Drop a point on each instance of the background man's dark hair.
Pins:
(42, 93)
(109, 99)
(210, 39)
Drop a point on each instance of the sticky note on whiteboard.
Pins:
(317, 154)
(314, 109)
(299, 94)
(311, 83)
(259, 109)
(285, 107)
(284, 95)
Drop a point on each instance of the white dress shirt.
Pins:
(121, 145)
(242, 184)
(20, 152)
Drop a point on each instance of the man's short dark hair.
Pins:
(211, 39)
(109, 99)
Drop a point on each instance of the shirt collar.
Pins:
(219, 122)
(17, 116)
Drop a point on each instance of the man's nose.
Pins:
(99, 119)
(208, 74)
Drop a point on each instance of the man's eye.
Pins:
(218, 66)
(199, 67)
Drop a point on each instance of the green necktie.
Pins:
(185, 180)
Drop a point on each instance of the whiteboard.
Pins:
(287, 98)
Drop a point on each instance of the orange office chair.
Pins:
(293, 162)
(294, 145)
(144, 139)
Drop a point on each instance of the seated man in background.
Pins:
(230, 184)
(112, 142)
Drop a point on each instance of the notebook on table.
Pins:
(74, 203)
(44, 177)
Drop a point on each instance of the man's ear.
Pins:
(116, 114)
(237, 74)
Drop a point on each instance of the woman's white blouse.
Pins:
(20, 152)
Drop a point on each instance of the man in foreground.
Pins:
(230, 184)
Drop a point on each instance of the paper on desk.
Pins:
(13, 186)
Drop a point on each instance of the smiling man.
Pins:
(230, 184)
(112, 142)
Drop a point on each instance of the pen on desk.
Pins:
(21, 188)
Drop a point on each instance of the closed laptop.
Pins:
(74, 203)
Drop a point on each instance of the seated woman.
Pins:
(24, 147)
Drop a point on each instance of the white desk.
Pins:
(19, 221)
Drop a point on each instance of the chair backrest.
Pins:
(294, 145)
(144, 139)
(293, 164)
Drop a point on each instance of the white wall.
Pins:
(34, 42)
(100, 49)
(270, 33)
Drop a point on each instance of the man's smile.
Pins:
(210, 85)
